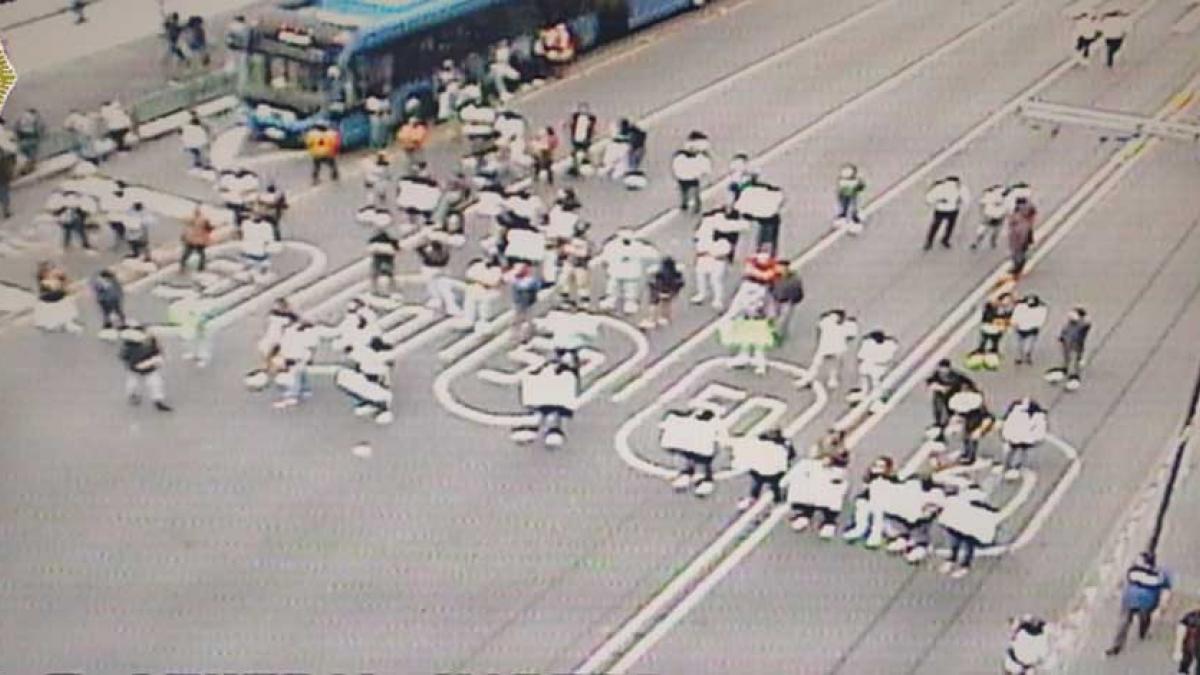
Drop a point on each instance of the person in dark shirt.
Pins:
(143, 358)
(1073, 339)
(383, 248)
(1187, 642)
(944, 383)
(664, 285)
(1146, 590)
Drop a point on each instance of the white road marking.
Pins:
(441, 385)
(627, 454)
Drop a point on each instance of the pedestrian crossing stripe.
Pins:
(8, 77)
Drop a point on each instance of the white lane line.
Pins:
(677, 390)
(1074, 467)
(704, 334)
(441, 384)
(698, 593)
(1085, 199)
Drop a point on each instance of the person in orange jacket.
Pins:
(323, 144)
(412, 136)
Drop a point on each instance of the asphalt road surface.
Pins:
(229, 536)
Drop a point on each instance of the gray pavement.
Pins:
(232, 536)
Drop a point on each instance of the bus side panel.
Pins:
(645, 12)
(355, 129)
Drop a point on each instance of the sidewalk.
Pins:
(1178, 553)
(116, 54)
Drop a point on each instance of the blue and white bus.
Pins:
(392, 48)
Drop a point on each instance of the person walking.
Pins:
(196, 39)
(542, 149)
(788, 292)
(1020, 234)
(1146, 590)
(116, 207)
(947, 197)
(196, 238)
(30, 130)
(172, 31)
(1114, 26)
(143, 359)
(835, 331)
(72, 218)
(525, 285)
(1073, 339)
(192, 314)
(323, 145)
(110, 297)
(1187, 643)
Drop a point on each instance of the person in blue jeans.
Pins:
(1146, 589)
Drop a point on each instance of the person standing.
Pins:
(876, 352)
(195, 138)
(435, 259)
(1028, 647)
(196, 238)
(850, 186)
(835, 331)
(969, 408)
(77, 7)
(690, 165)
(55, 310)
(1187, 643)
(581, 130)
(197, 41)
(1086, 31)
(1028, 317)
(993, 210)
(1146, 590)
(192, 314)
(323, 144)
(116, 207)
(944, 383)
(72, 218)
(995, 319)
(1114, 26)
(788, 292)
(137, 231)
(550, 393)
(110, 298)
(296, 347)
(8, 170)
(694, 438)
(411, 137)
(542, 150)
(270, 205)
(172, 31)
(379, 114)
(972, 502)
(525, 285)
(383, 248)
(1020, 234)
(947, 197)
(30, 131)
(1025, 427)
(118, 124)
(664, 286)
(767, 458)
(1073, 339)
(257, 239)
(143, 358)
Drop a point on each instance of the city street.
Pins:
(230, 536)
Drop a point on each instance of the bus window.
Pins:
(374, 73)
(294, 75)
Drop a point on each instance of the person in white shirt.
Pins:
(627, 260)
(835, 331)
(1025, 426)
(690, 165)
(377, 179)
(550, 393)
(485, 283)
(993, 208)
(766, 458)
(1028, 317)
(1085, 30)
(195, 138)
(257, 238)
(947, 197)
(693, 436)
(818, 488)
(876, 353)
(137, 231)
(296, 347)
(1114, 26)
(1028, 648)
(711, 266)
(118, 124)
